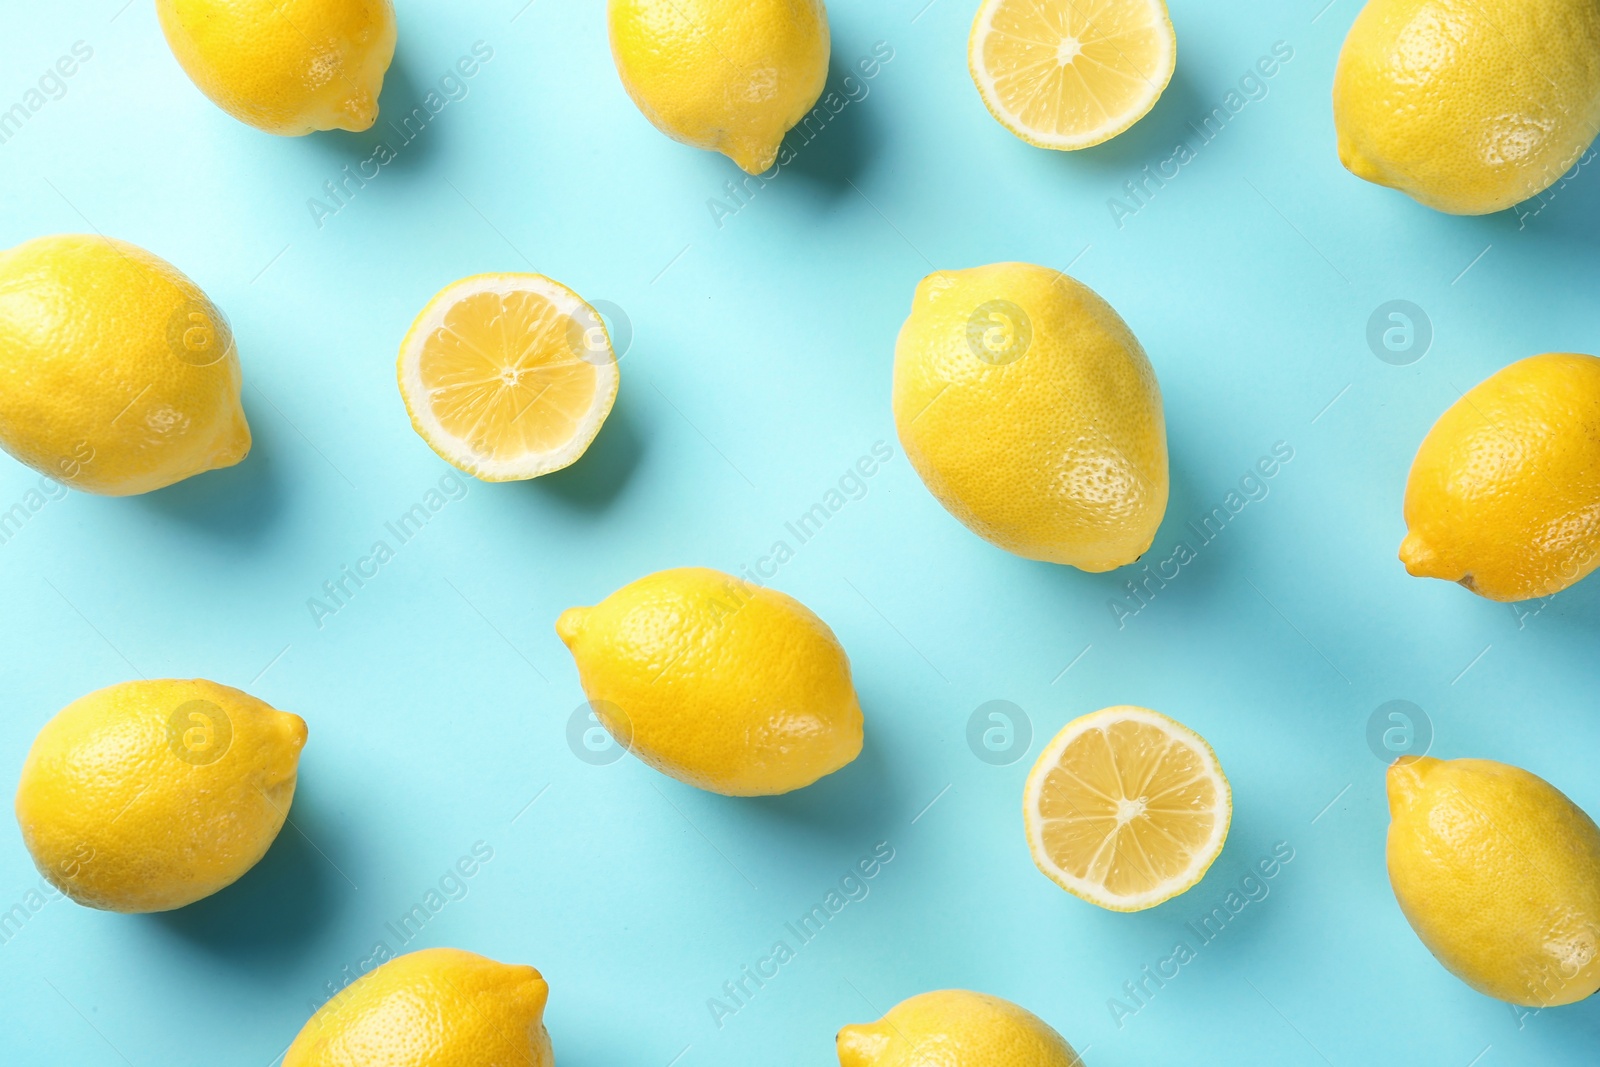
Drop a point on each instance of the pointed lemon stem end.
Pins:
(294, 727)
(1357, 163)
(1407, 777)
(537, 992)
(233, 443)
(360, 111)
(752, 155)
(862, 1046)
(570, 625)
(1420, 559)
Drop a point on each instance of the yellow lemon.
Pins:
(1067, 75)
(731, 76)
(1499, 875)
(440, 1007)
(954, 1028)
(727, 686)
(147, 796)
(288, 67)
(1030, 411)
(1468, 106)
(1504, 495)
(1126, 808)
(508, 376)
(117, 375)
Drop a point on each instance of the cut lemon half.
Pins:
(1069, 74)
(508, 376)
(1126, 808)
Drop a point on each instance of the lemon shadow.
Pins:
(398, 125)
(843, 805)
(240, 503)
(1148, 141)
(834, 152)
(600, 474)
(273, 915)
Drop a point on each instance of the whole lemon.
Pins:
(1504, 495)
(147, 796)
(1468, 106)
(288, 67)
(732, 76)
(117, 375)
(440, 1007)
(1499, 875)
(727, 686)
(954, 1028)
(1032, 414)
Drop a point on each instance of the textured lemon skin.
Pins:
(731, 76)
(1059, 454)
(440, 1007)
(954, 1028)
(730, 687)
(1504, 495)
(1468, 106)
(117, 375)
(289, 67)
(125, 810)
(1499, 875)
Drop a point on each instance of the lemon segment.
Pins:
(1126, 808)
(1070, 74)
(508, 376)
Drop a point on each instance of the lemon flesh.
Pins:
(440, 1007)
(150, 795)
(1031, 413)
(289, 67)
(1499, 875)
(117, 374)
(1504, 494)
(1468, 106)
(508, 376)
(1126, 808)
(730, 687)
(1066, 74)
(730, 76)
(955, 1028)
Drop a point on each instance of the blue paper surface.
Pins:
(760, 323)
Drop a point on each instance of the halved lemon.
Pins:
(508, 376)
(1069, 74)
(1126, 808)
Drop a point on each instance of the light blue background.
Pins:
(759, 371)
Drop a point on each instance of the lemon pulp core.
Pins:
(1127, 806)
(1066, 67)
(504, 373)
